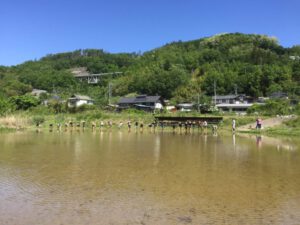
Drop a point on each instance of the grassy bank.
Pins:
(28, 120)
(287, 128)
(14, 122)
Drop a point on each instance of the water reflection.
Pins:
(118, 177)
(258, 141)
(156, 149)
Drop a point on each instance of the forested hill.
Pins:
(256, 64)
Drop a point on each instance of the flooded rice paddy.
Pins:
(148, 178)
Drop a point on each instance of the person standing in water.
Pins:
(120, 125)
(205, 126)
(101, 125)
(129, 125)
(233, 125)
(141, 127)
(258, 123)
(136, 126)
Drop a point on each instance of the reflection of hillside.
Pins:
(217, 176)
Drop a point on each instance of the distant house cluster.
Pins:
(240, 102)
(227, 103)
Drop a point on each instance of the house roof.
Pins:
(185, 105)
(220, 97)
(80, 97)
(278, 94)
(235, 106)
(139, 99)
(38, 91)
(79, 71)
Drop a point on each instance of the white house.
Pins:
(185, 107)
(78, 100)
(38, 92)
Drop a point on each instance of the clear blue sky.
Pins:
(30, 29)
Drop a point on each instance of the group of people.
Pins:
(187, 126)
(258, 124)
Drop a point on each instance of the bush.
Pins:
(57, 106)
(24, 102)
(38, 120)
(272, 107)
(81, 108)
(5, 106)
(41, 110)
(295, 123)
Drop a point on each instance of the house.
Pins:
(230, 99)
(38, 92)
(236, 107)
(78, 100)
(237, 102)
(279, 95)
(185, 107)
(144, 102)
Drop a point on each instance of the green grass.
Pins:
(291, 127)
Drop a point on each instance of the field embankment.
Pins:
(280, 125)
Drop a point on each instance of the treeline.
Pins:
(255, 65)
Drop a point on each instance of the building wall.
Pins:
(79, 103)
(158, 105)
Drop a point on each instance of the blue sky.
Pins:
(30, 29)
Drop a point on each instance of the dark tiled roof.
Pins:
(278, 94)
(139, 99)
(220, 97)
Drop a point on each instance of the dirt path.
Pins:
(267, 123)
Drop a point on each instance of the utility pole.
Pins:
(235, 89)
(109, 92)
(215, 91)
(198, 102)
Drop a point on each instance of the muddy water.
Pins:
(163, 178)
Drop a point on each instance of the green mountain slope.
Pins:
(254, 64)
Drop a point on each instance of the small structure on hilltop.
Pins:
(79, 100)
(144, 102)
(83, 75)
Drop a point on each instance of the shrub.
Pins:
(38, 120)
(24, 102)
(5, 106)
(57, 106)
(272, 107)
